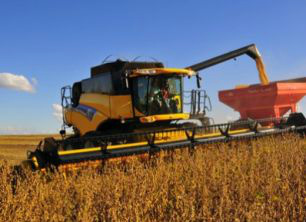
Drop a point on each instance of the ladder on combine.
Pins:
(197, 103)
(66, 101)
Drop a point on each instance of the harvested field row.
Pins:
(23, 139)
(13, 148)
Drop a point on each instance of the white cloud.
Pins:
(17, 82)
(57, 111)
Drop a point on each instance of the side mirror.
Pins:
(126, 78)
(198, 81)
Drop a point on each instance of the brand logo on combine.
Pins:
(87, 111)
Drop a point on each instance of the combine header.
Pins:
(137, 109)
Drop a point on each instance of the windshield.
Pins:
(158, 94)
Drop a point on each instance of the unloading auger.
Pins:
(137, 109)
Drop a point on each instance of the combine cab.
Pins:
(137, 109)
(121, 97)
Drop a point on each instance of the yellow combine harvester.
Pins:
(118, 99)
(137, 108)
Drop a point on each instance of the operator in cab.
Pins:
(162, 100)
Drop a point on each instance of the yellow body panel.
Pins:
(106, 106)
(100, 102)
(121, 107)
(154, 118)
(158, 71)
(82, 123)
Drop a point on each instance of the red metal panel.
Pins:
(263, 101)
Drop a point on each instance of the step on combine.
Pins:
(138, 109)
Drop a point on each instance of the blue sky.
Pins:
(56, 42)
